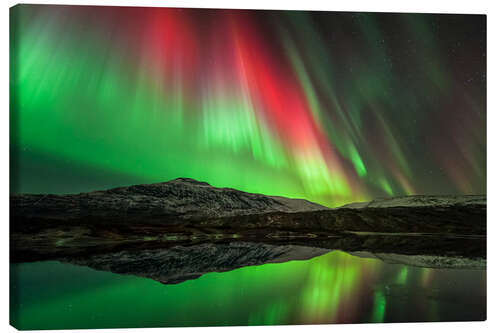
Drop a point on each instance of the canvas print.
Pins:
(213, 167)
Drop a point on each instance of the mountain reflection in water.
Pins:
(335, 287)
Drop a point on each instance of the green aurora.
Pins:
(332, 107)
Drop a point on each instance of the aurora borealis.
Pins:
(332, 107)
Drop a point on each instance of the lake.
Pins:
(336, 287)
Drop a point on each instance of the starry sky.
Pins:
(333, 107)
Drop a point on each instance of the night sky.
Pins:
(333, 107)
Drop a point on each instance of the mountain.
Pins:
(185, 212)
(172, 201)
(421, 201)
(427, 261)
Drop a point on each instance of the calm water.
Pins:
(333, 288)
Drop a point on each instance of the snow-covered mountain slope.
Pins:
(181, 198)
(421, 201)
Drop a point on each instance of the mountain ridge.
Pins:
(420, 200)
(182, 198)
(186, 212)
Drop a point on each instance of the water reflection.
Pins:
(333, 288)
